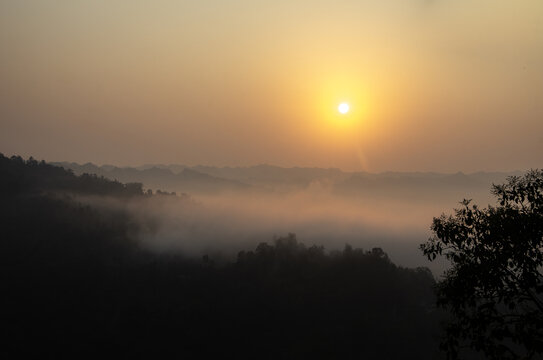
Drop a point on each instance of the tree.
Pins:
(494, 287)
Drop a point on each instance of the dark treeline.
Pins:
(24, 177)
(76, 281)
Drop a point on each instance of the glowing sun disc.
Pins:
(343, 108)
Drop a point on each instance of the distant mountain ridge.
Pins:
(187, 180)
(212, 179)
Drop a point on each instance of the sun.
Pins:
(343, 108)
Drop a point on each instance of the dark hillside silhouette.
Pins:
(21, 176)
(186, 180)
(75, 281)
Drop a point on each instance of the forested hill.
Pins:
(30, 176)
(185, 181)
(76, 281)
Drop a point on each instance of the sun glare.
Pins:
(343, 108)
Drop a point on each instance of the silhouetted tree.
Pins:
(494, 288)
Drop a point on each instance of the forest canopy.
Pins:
(77, 280)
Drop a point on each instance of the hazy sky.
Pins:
(433, 85)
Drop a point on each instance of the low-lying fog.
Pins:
(222, 224)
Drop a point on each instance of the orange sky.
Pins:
(432, 85)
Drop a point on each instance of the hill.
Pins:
(76, 281)
(155, 177)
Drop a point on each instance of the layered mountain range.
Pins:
(423, 186)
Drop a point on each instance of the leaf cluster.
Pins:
(494, 288)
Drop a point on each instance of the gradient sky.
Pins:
(433, 85)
